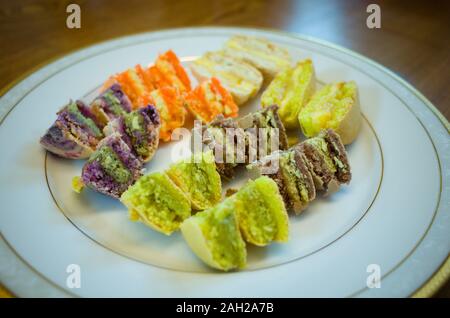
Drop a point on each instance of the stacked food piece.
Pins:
(256, 214)
(290, 90)
(335, 106)
(242, 141)
(139, 129)
(210, 99)
(112, 168)
(318, 163)
(75, 133)
(131, 140)
(164, 200)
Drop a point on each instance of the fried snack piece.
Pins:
(157, 202)
(335, 106)
(198, 178)
(241, 79)
(213, 235)
(290, 90)
(267, 57)
(210, 99)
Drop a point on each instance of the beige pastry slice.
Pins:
(259, 52)
(241, 79)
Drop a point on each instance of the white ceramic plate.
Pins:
(394, 214)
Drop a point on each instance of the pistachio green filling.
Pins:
(221, 230)
(73, 109)
(321, 145)
(289, 176)
(111, 163)
(114, 103)
(199, 179)
(135, 122)
(158, 201)
(261, 212)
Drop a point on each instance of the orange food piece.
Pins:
(210, 99)
(169, 103)
(173, 72)
(138, 82)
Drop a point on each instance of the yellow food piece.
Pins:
(328, 108)
(77, 184)
(291, 90)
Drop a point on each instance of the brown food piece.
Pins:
(337, 149)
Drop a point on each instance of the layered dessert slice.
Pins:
(214, 137)
(241, 79)
(112, 168)
(168, 71)
(335, 106)
(75, 133)
(290, 172)
(261, 127)
(138, 82)
(214, 236)
(327, 160)
(198, 178)
(261, 212)
(290, 90)
(169, 103)
(266, 56)
(111, 104)
(139, 129)
(157, 202)
(210, 99)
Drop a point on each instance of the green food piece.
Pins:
(261, 212)
(198, 178)
(73, 109)
(321, 145)
(135, 125)
(114, 103)
(156, 201)
(112, 164)
(221, 231)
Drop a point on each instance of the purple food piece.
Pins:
(107, 108)
(69, 136)
(150, 136)
(97, 178)
(121, 96)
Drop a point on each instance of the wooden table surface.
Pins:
(413, 41)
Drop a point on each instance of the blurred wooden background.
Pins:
(414, 39)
